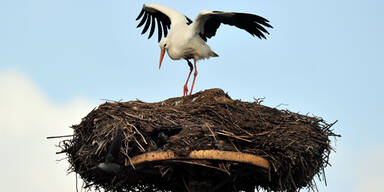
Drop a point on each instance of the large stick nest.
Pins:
(162, 142)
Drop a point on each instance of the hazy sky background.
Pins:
(60, 58)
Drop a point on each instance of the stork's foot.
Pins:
(185, 92)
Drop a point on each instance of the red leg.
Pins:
(194, 77)
(185, 86)
(185, 91)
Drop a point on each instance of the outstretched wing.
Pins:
(163, 16)
(207, 23)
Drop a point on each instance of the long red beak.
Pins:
(161, 56)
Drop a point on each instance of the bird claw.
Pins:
(185, 92)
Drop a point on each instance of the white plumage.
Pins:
(187, 39)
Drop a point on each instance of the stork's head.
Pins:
(163, 47)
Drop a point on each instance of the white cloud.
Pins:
(27, 117)
(371, 169)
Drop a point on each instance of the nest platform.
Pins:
(203, 142)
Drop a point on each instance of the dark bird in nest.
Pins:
(110, 164)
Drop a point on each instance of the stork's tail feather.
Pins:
(213, 54)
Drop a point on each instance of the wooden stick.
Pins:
(55, 137)
(201, 154)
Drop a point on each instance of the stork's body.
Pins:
(185, 45)
(187, 39)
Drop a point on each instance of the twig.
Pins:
(130, 162)
(209, 128)
(170, 120)
(234, 146)
(245, 131)
(234, 136)
(136, 117)
(113, 101)
(281, 104)
(55, 137)
(60, 152)
(259, 100)
(137, 130)
(138, 143)
(77, 189)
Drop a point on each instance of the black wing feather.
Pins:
(253, 24)
(152, 28)
(189, 21)
(149, 16)
(165, 29)
(147, 24)
(159, 30)
(143, 20)
(140, 15)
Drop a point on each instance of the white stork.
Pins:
(187, 39)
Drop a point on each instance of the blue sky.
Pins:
(60, 58)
